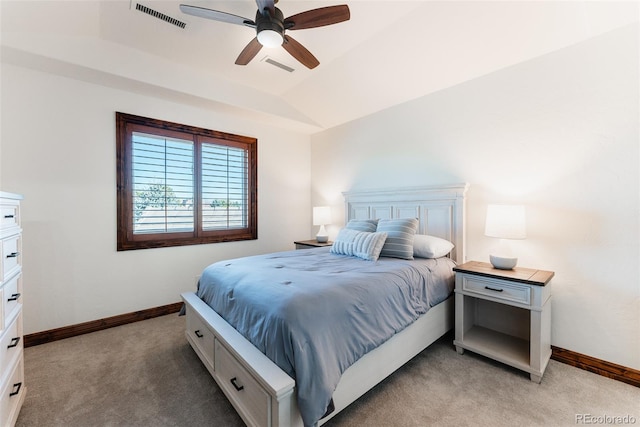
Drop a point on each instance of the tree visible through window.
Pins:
(181, 185)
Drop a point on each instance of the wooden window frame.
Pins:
(126, 239)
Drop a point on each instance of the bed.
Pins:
(261, 387)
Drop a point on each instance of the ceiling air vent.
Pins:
(278, 64)
(160, 15)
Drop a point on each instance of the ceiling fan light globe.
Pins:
(270, 38)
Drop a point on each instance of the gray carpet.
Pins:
(145, 374)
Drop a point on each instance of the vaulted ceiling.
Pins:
(389, 52)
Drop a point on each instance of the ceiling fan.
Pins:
(271, 25)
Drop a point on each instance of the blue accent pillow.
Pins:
(400, 235)
(360, 244)
(368, 225)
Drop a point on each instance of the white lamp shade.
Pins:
(321, 215)
(506, 222)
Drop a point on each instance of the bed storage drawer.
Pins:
(250, 399)
(200, 336)
(497, 289)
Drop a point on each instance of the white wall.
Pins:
(559, 134)
(58, 150)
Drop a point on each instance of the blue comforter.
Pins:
(314, 313)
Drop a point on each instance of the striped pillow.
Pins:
(360, 244)
(368, 225)
(400, 235)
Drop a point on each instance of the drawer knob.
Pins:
(9, 216)
(493, 289)
(198, 333)
(234, 381)
(14, 297)
(14, 342)
(13, 254)
(16, 387)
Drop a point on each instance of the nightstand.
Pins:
(308, 244)
(505, 315)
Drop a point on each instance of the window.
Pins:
(182, 185)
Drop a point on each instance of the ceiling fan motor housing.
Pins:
(265, 21)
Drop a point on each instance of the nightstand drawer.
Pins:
(308, 244)
(497, 289)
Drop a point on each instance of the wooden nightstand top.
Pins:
(519, 274)
(314, 243)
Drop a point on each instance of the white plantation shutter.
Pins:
(162, 184)
(224, 183)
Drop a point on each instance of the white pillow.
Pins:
(361, 244)
(425, 246)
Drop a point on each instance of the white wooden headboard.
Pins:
(440, 210)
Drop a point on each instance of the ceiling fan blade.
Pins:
(249, 52)
(299, 52)
(266, 4)
(216, 15)
(318, 17)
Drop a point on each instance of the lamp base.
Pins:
(322, 236)
(503, 263)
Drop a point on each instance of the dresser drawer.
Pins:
(12, 394)
(241, 388)
(11, 297)
(497, 289)
(9, 216)
(10, 343)
(10, 256)
(200, 335)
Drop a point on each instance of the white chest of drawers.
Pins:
(12, 389)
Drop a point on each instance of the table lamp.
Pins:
(321, 217)
(505, 222)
